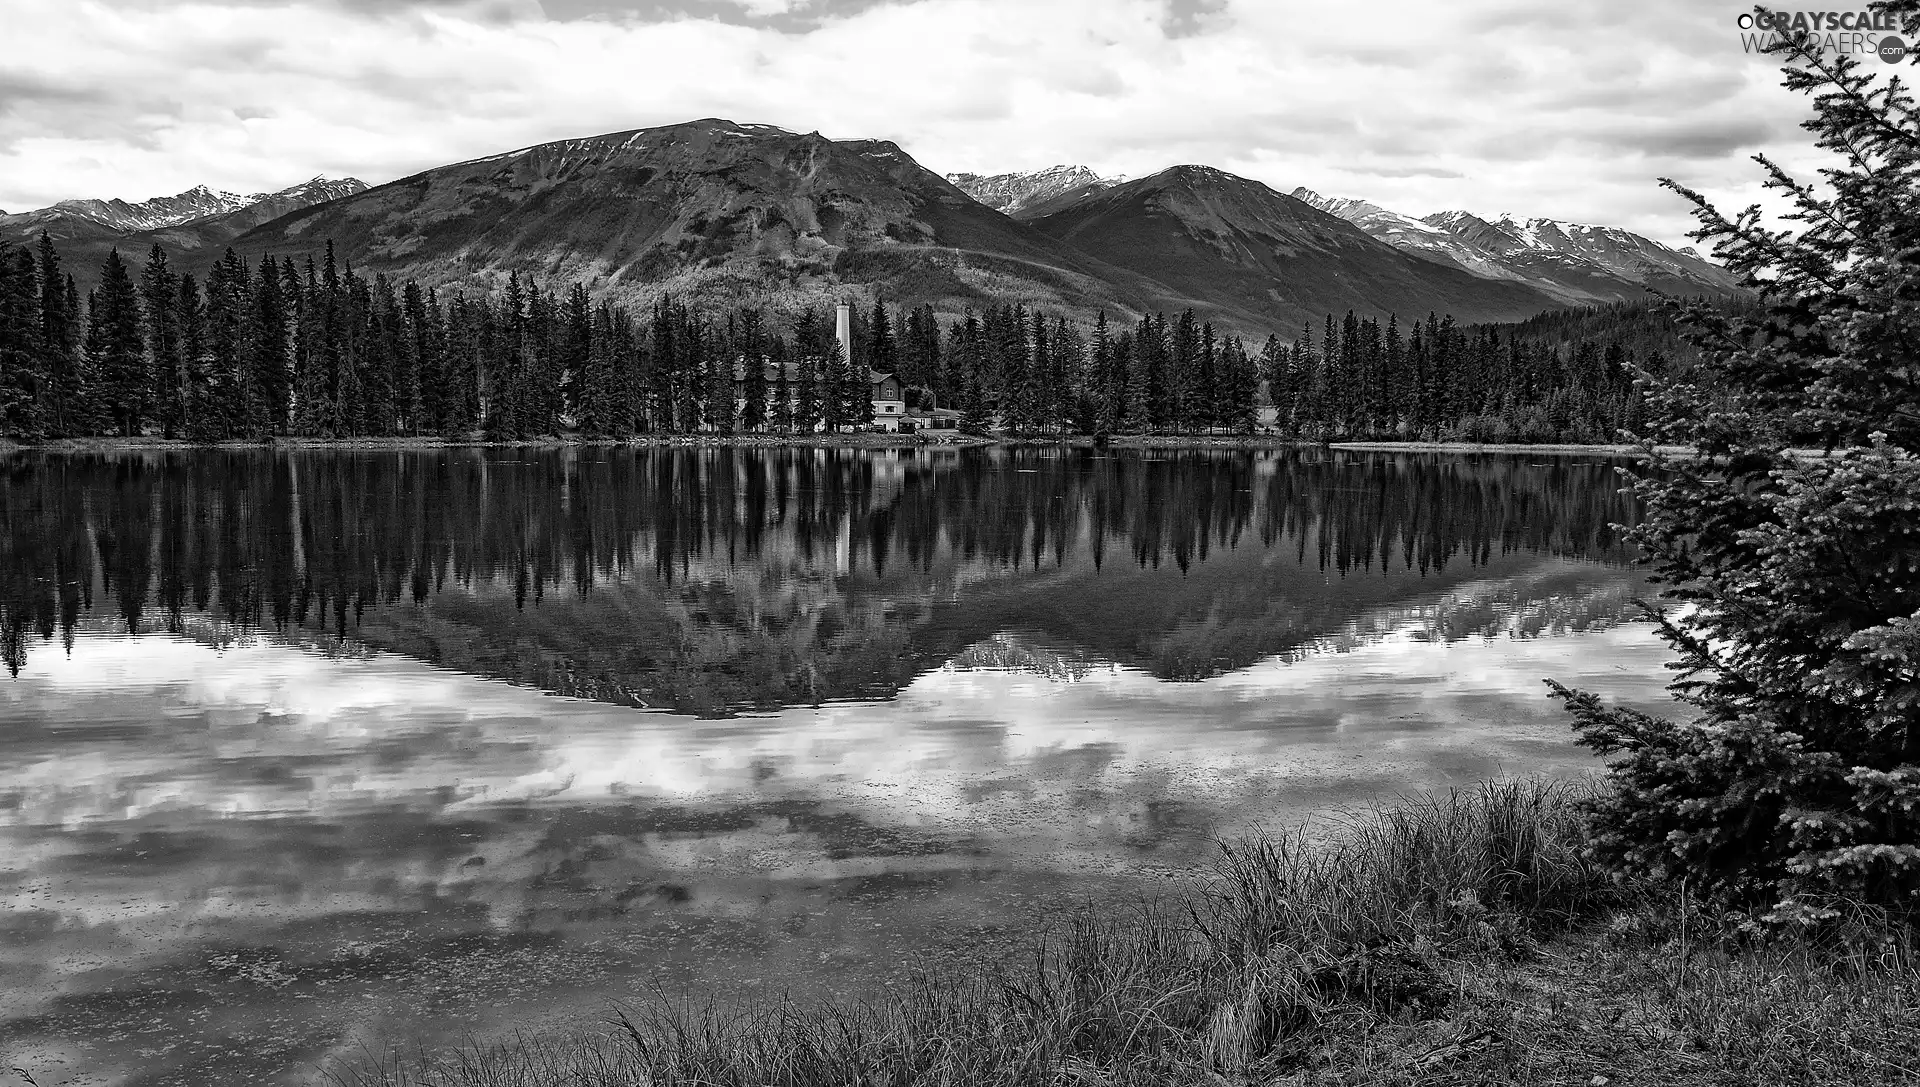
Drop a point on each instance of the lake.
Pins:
(309, 754)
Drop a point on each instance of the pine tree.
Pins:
(116, 351)
(268, 334)
(228, 401)
(1241, 382)
(459, 410)
(719, 398)
(882, 353)
(427, 351)
(22, 354)
(1143, 406)
(64, 394)
(189, 315)
(1069, 396)
(576, 362)
(312, 381)
(753, 356)
(159, 300)
(1109, 391)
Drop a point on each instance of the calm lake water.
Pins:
(308, 754)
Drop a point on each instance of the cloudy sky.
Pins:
(1534, 107)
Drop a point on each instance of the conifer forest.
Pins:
(308, 347)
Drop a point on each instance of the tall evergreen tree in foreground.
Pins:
(1797, 787)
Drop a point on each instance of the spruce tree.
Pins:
(1109, 391)
(64, 396)
(22, 355)
(189, 314)
(1795, 787)
(267, 351)
(159, 302)
(882, 352)
(116, 351)
(753, 363)
(228, 402)
(579, 373)
(312, 384)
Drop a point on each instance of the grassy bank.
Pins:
(1457, 939)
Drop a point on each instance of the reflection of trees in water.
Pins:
(764, 558)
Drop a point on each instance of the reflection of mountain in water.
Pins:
(707, 580)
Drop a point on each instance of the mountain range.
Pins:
(1015, 193)
(1573, 263)
(724, 213)
(199, 219)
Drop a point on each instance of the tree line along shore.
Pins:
(301, 347)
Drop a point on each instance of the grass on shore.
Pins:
(1457, 939)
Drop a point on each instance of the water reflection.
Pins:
(284, 772)
(711, 580)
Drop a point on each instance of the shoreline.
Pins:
(1492, 447)
(812, 441)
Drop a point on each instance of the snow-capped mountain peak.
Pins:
(199, 202)
(1010, 193)
(1578, 263)
(161, 211)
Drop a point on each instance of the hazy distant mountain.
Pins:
(1018, 192)
(1406, 233)
(712, 210)
(90, 218)
(1215, 238)
(195, 220)
(1571, 262)
(196, 203)
(1549, 243)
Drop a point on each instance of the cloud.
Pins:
(1524, 105)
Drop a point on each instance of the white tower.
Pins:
(843, 330)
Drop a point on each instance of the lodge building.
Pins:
(887, 393)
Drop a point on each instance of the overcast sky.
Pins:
(1534, 107)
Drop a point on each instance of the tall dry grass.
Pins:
(1417, 939)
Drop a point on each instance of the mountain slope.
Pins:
(1223, 241)
(1016, 193)
(709, 210)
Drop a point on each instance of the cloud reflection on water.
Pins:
(226, 853)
